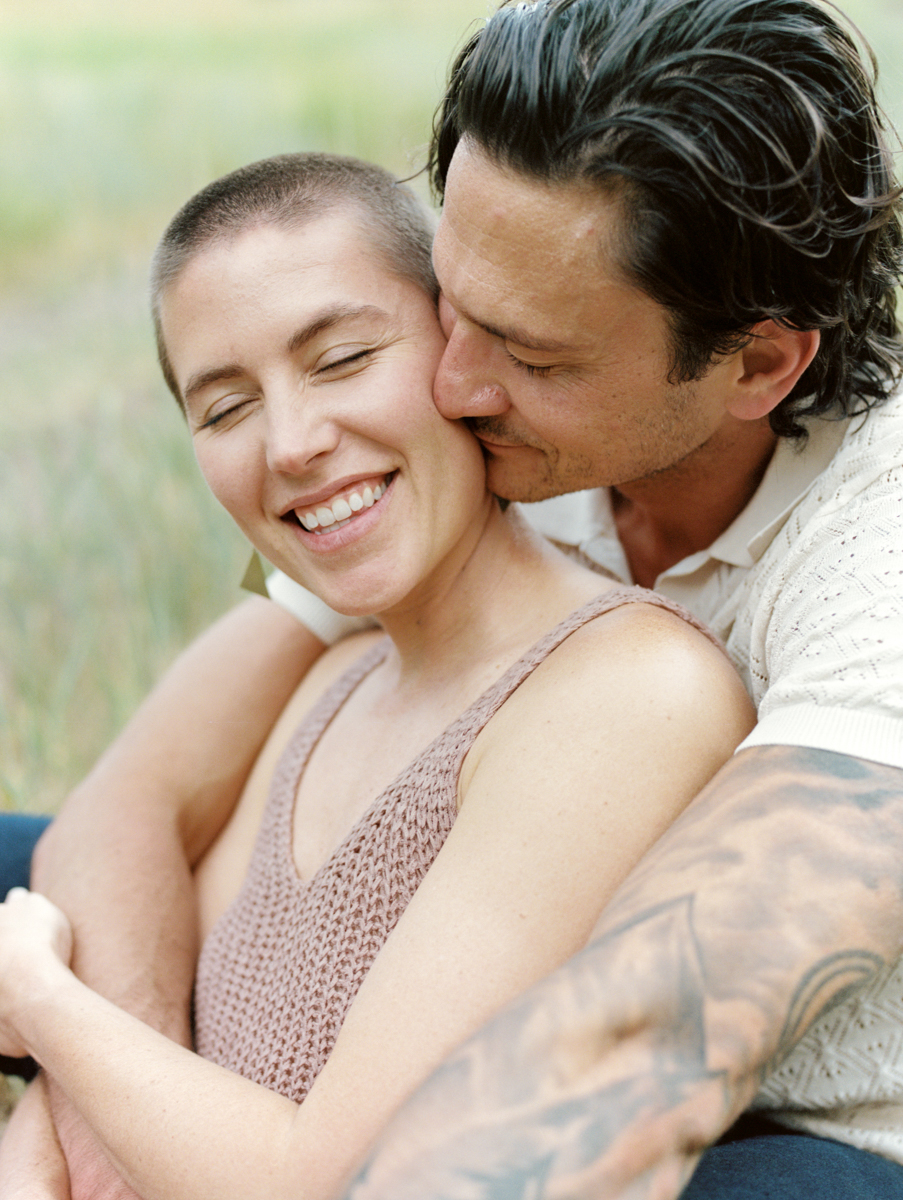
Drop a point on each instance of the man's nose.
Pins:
(466, 384)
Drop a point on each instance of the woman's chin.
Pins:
(367, 601)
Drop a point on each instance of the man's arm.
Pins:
(118, 858)
(779, 889)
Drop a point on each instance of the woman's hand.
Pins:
(33, 933)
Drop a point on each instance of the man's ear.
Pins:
(770, 365)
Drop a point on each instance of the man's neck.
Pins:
(674, 513)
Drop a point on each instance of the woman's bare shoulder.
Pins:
(637, 674)
(626, 646)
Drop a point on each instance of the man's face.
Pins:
(559, 365)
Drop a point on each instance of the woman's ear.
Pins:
(770, 365)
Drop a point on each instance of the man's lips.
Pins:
(491, 442)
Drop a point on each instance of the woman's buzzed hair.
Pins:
(288, 191)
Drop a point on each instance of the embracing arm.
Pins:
(118, 858)
(778, 889)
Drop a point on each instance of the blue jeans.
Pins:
(757, 1160)
(18, 835)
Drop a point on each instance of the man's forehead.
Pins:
(498, 201)
(524, 258)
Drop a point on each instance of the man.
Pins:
(668, 251)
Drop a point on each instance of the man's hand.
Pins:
(608, 1080)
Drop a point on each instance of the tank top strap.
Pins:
(273, 848)
(479, 713)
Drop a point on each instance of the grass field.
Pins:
(111, 553)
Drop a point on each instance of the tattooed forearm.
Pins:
(777, 894)
(546, 1102)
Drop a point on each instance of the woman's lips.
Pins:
(326, 518)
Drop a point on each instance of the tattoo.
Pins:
(838, 976)
(544, 1131)
(775, 897)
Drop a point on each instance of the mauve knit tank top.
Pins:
(281, 967)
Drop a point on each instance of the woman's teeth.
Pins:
(325, 519)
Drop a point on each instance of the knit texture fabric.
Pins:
(280, 969)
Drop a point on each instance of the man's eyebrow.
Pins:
(322, 321)
(520, 337)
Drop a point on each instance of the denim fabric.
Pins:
(758, 1160)
(18, 834)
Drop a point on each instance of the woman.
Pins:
(567, 720)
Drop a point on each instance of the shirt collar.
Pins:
(792, 471)
(789, 476)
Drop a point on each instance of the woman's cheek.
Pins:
(225, 472)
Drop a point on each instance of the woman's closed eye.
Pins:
(228, 406)
(344, 360)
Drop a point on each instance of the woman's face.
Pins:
(306, 368)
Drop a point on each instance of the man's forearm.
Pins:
(780, 888)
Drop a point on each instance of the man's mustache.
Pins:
(494, 428)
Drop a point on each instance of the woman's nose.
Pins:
(299, 430)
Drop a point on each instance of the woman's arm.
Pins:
(577, 775)
(32, 1165)
(579, 772)
(118, 857)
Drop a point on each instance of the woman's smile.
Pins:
(327, 516)
(334, 531)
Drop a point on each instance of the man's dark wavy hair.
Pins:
(745, 146)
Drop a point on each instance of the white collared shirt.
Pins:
(805, 587)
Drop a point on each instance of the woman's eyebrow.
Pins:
(323, 320)
(329, 317)
(203, 379)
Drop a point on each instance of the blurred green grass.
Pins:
(112, 555)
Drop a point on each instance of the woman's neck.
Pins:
(492, 600)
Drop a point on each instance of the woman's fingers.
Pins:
(32, 917)
(33, 932)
